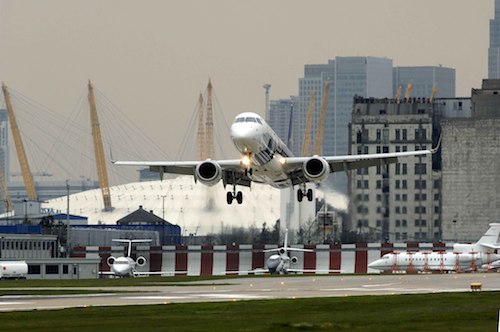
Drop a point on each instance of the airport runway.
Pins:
(266, 287)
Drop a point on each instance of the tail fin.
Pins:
(490, 238)
(129, 250)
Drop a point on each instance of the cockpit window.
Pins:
(240, 120)
(258, 120)
(250, 120)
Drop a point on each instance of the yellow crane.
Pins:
(306, 139)
(398, 94)
(21, 153)
(201, 130)
(408, 90)
(102, 172)
(318, 138)
(209, 125)
(433, 94)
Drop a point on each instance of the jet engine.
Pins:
(316, 169)
(111, 260)
(294, 260)
(208, 173)
(141, 261)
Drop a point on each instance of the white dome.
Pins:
(196, 208)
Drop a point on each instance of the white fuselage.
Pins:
(254, 138)
(123, 267)
(433, 261)
(278, 264)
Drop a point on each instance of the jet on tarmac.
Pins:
(464, 257)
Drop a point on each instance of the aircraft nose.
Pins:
(374, 264)
(245, 136)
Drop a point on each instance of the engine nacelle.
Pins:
(208, 173)
(111, 260)
(316, 169)
(141, 261)
(282, 251)
(294, 260)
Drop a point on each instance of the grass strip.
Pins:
(422, 312)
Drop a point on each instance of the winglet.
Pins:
(434, 150)
(111, 155)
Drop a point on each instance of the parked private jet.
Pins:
(266, 159)
(465, 257)
(282, 263)
(125, 266)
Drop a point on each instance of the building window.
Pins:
(385, 149)
(398, 134)
(404, 184)
(420, 184)
(421, 168)
(65, 269)
(405, 135)
(379, 184)
(51, 269)
(379, 197)
(378, 148)
(379, 135)
(404, 236)
(379, 223)
(34, 269)
(398, 197)
(398, 223)
(398, 184)
(404, 197)
(404, 223)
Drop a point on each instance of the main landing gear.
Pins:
(302, 192)
(234, 195)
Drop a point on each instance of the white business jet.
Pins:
(125, 266)
(266, 159)
(464, 257)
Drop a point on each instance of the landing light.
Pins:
(282, 161)
(245, 161)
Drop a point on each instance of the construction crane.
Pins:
(201, 130)
(398, 94)
(318, 138)
(267, 87)
(102, 172)
(408, 90)
(209, 125)
(306, 139)
(21, 153)
(433, 94)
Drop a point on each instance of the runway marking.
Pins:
(233, 296)
(153, 297)
(13, 303)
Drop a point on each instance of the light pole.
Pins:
(163, 206)
(68, 248)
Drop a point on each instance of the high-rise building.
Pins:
(348, 77)
(279, 115)
(403, 201)
(494, 49)
(423, 79)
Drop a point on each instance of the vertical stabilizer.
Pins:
(490, 238)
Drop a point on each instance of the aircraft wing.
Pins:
(232, 171)
(313, 271)
(288, 249)
(349, 162)
(169, 273)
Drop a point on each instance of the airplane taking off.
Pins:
(266, 159)
(465, 257)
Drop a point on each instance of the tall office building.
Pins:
(494, 49)
(424, 79)
(348, 77)
(279, 115)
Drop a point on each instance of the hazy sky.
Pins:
(153, 58)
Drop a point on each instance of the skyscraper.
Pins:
(348, 77)
(424, 79)
(494, 49)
